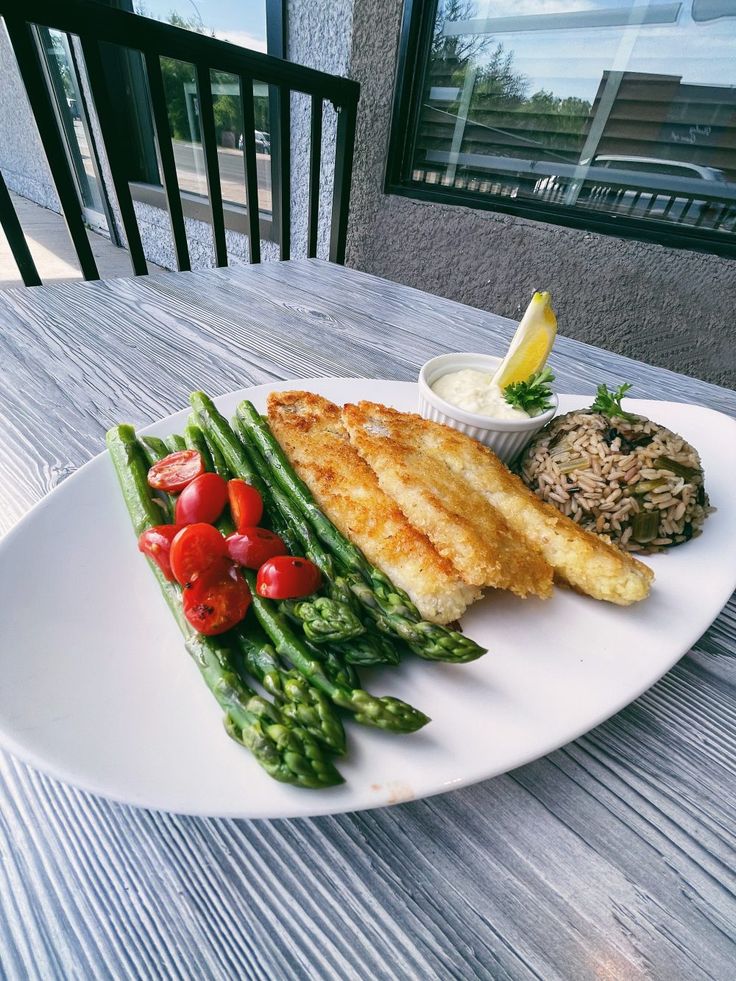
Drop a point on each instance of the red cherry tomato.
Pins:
(287, 577)
(217, 599)
(246, 504)
(252, 546)
(156, 542)
(194, 550)
(175, 471)
(202, 500)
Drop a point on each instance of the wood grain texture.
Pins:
(611, 858)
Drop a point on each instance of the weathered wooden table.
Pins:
(611, 858)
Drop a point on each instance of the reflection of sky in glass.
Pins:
(570, 62)
(239, 21)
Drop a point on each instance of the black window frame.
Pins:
(412, 58)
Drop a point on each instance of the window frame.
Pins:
(412, 58)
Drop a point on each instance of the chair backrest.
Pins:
(94, 24)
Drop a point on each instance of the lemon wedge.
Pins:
(531, 344)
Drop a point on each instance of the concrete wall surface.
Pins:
(668, 307)
(22, 159)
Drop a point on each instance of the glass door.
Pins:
(63, 80)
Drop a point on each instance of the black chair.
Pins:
(95, 24)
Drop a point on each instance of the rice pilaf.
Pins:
(633, 482)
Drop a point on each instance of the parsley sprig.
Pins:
(609, 403)
(533, 395)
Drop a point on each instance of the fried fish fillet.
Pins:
(578, 557)
(311, 433)
(459, 521)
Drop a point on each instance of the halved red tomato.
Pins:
(246, 504)
(155, 542)
(217, 599)
(175, 471)
(252, 546)
(287, 577)
(194, 550)
(202, 500)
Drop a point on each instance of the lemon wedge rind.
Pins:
(531, 344)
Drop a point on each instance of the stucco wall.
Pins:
(319, 36)
(668, 307)
(22, 159)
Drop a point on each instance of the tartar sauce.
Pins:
(473, 391)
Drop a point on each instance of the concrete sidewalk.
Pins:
(53, 252)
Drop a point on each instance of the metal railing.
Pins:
(94, 25)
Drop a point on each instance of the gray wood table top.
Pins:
(611, 858)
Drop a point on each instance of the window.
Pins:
(615, 115)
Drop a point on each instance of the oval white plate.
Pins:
(98, 690)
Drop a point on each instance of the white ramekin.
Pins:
(506, 437)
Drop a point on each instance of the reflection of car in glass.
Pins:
(263, 142)
(630, 188)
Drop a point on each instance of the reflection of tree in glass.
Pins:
(59, 52)
(226, 108)
(497, 82)
(499, 99)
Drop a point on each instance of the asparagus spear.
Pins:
(175, 443)
(337, 617)
(298, 700)
(284, 750)
(154, 448)
(390, 608)
(194, 438)
(384, 712)
(373, 648)
(324, 620)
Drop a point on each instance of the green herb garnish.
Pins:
(609, 403)
(533, 395)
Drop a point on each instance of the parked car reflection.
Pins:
(263, 142)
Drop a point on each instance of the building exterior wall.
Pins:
(666, 306)
(22, 159)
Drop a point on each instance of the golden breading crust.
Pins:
(459, 522)
(310, 430)
(578, 557)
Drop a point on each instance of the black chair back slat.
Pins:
(16, 239)
(281, 187)
(212, 168)
(315, 158)
(343, 174)
(115, 150)
(26, 51)
(250, 167)
(166, 159)
(96, 24)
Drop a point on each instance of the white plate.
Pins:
(98, 690)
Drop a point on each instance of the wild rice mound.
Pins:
(629, 480)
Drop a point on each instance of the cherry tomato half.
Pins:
(217, 599)
(202, 500)
(252, 546)
(156, 542)
(246, 504)
(194, 550)
(175, 471)
(287, 577)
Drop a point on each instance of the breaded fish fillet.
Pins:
(459, 521)
(310, 430)
(578, 557)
